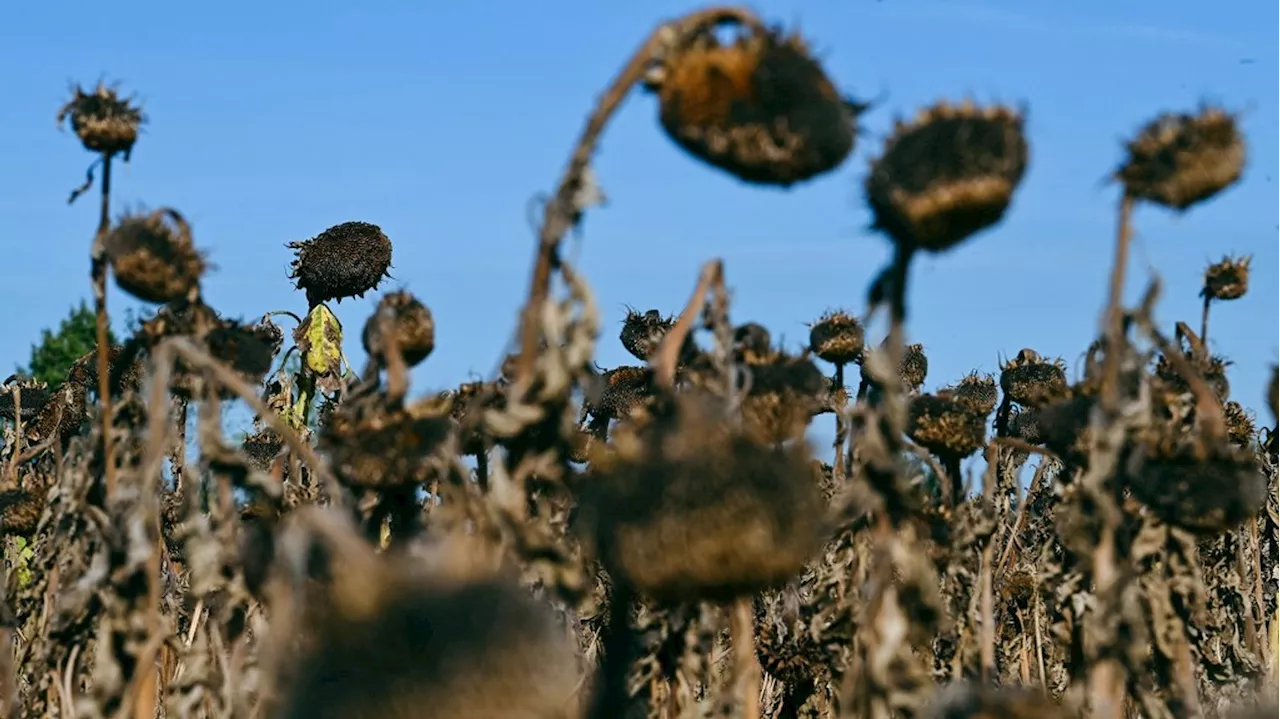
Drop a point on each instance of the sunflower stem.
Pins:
(98, 273)
(611, 693)
(1115, 313)
(1204, 320)
(564, 210)
(837, 468)
(746, 666)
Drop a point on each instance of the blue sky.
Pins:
(440, 122)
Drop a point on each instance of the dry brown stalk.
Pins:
(668, 354)
(98, 274)
(224, 376)
(563, 210)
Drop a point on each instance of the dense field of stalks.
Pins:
(658, 539)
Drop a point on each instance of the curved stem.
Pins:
(98, 273)
(666, 359)
(563, 211)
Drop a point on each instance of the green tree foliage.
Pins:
(57, 351)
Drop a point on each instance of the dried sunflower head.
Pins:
(1178, 160)
(125, 368)
(1194, 482)
(1033, 381)
(1024, 423)
(783, 395)
(1227, 279)
(1212, 368)
(1240, 424)
(976, 390)
(246, 349)
(346, 260)
(687, 509)
(412, 324)
(466, 406)
(20, 511)
(103, 121)
(63, 413)
(837, 338)
(624, 389)
(642, 332)
(947, 174)
(261, 448)
(407, 640)
(33, 395)
(760, 108)
(912, 372)
(373, 446)
(1018, 587)
(153, 258)
(752, 342)
(1064, 427)
(946, 425)
(915, 366)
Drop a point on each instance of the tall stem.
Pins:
(610, 697)
(1115, 312)
(98, 273)
(842, 430)
(1204, 320)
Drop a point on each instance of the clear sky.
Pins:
(440, 121)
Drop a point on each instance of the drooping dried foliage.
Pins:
(652, 540)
